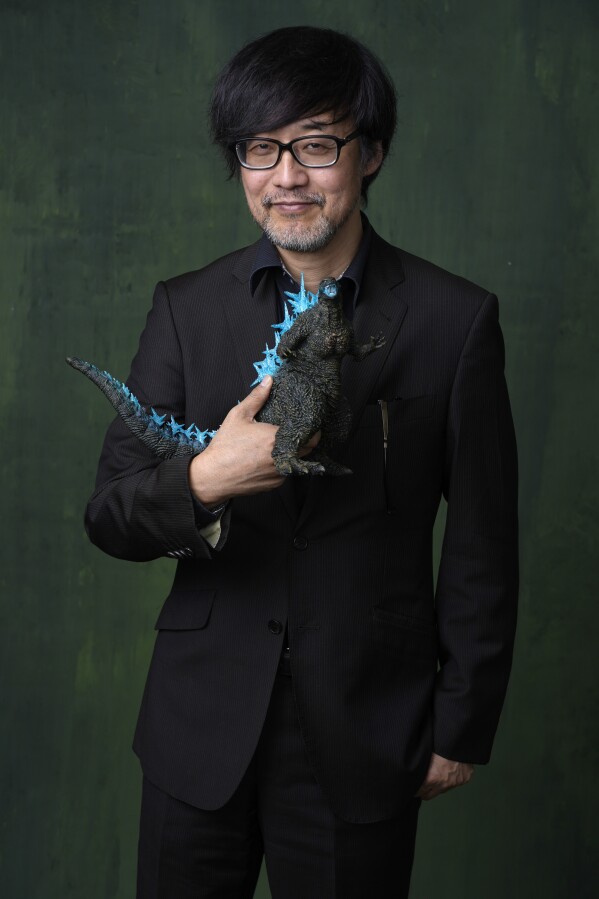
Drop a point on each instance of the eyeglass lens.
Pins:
(261, 153)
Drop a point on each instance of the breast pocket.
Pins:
(411, 408)
(409, 428)
(393, 438)
(363, 454)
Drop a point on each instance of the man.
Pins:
(307, 689)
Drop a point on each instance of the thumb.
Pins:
(258, 396)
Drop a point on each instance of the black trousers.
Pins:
(279, 812)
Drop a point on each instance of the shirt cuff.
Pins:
(208, 521)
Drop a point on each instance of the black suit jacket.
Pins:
(384, 672)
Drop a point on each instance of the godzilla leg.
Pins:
(285, 455)
(329, 466)
(297, 406)
(337, 423)
(335, 430)
(291, 435)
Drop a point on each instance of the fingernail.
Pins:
(266, 381)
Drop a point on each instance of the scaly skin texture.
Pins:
(306, 393)
(305, 396)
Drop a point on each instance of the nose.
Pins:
(289, 173)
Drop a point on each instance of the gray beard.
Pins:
(315, 238)
(310, 241)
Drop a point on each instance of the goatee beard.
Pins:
(310, 240)
(294, 236)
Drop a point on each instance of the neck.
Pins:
(330, 262)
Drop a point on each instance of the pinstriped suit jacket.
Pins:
(384, 671)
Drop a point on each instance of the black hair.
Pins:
(292, 73)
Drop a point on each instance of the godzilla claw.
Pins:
(287, 465)
(285, 352)
(378, 341)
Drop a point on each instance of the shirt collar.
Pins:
(267, 257)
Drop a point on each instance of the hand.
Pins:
(238, 459)
(444, 775)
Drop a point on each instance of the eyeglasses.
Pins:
(315, 151)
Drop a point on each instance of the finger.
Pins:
(254, 401)
(431, 793)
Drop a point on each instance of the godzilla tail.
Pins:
(164, 438)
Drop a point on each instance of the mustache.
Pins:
(269, 199)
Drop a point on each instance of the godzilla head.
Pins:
(328, 288)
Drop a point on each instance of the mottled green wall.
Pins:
(107, 184)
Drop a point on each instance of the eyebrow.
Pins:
(315, 124)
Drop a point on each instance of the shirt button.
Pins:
(274, 626)
(300, 543)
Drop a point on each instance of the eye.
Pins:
(317, 147)
(260, 148)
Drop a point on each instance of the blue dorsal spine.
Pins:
(169, 438)
(295, 304)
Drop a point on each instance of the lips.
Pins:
(294, 204)
(292, 207)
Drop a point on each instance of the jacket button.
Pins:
(300, 543)
(274, 626)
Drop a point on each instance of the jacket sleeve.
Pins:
(142, 507)
(477, 587)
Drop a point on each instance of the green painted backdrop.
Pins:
(108, 183)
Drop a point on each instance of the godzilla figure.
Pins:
(306, 392)
(305, 396)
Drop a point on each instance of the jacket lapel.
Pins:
(250, 320)
(381, 310)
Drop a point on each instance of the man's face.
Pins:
(301, 209)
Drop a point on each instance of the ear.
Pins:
(375, 160)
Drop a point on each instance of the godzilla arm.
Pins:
(296, 334)
(360, 351)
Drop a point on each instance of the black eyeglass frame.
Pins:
(340, 141)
